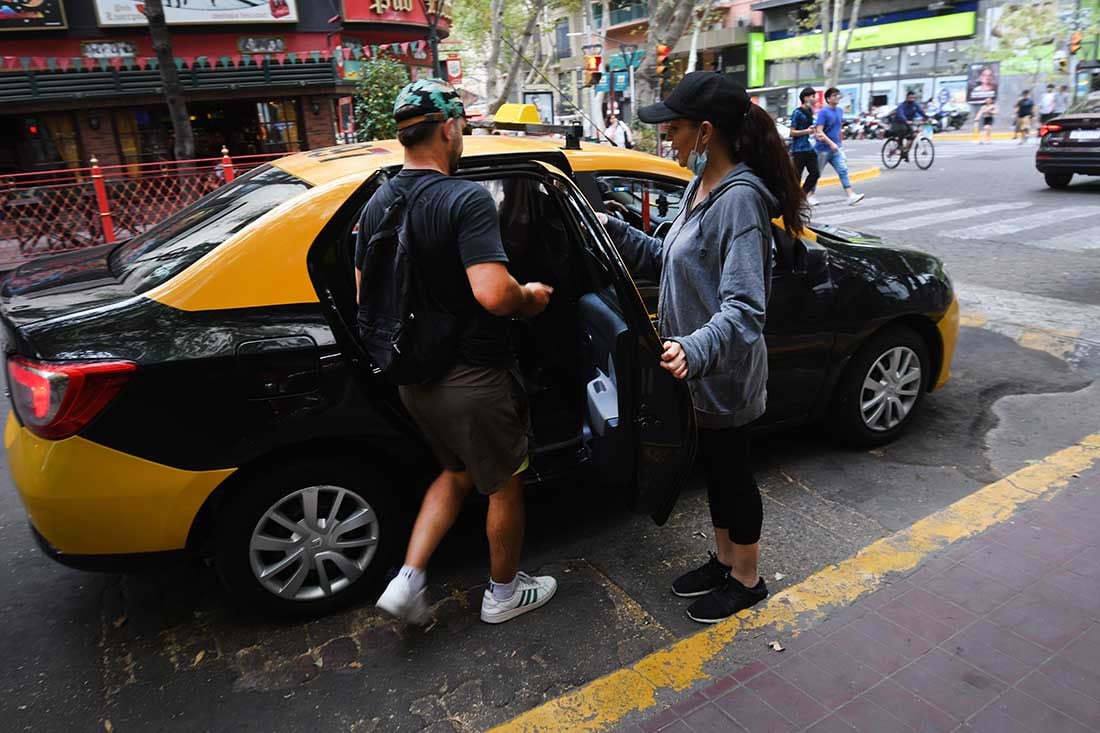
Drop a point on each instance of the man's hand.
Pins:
(536, 298)
(674, 360)
(602, 218)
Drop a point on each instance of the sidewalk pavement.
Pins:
(999, 633)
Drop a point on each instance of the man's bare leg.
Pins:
(438, 513)
(504, 526)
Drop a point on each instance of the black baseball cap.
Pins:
(702, 95)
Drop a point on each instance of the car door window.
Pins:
(643, 202)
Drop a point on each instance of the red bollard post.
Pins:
(103, 203)
(227, 165)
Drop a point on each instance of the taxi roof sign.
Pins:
(517, 114)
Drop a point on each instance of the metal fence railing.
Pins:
(65, 209)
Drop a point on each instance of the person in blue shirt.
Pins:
(830, 118)
(907, 113)
(802, 148)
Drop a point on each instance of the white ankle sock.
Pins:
(417, 578)
(502, 591)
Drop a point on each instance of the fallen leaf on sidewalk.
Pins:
(118, 622)
(198, 658)
(776, 646)
(700, 535)
(780, 576)
(108, 725)
(356, 665)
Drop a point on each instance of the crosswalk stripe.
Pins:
(933, 219)
(1023, 223)
(841, 204)
(868, 210)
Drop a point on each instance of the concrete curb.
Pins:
(969, 137)
(855, 177)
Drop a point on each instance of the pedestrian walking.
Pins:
(1025, 106)
(986, 113)
(619, 134)
(714, 270)
(474, 418)
(1046, 104)
(1061, 101)
(829, 120)
(802, 149)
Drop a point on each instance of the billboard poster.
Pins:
(31, 15)
(544, 103)
(132, 12)
(982, 81)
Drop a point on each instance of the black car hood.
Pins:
(849, 236)
(60, 285)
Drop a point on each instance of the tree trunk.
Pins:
(496, 20)
(826, 13)
(667, 21)
(517, 58)
(832, 71)
(693, 52)
(169, 77)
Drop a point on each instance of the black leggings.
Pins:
(807, 159)
(732, 492)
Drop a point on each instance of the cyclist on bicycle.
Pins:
(906, 114)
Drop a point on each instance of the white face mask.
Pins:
(697, 162)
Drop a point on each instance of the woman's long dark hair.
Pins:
(757, 144)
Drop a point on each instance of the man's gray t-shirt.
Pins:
(453, 226)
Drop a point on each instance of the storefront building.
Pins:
(79, 78)
(932, 49)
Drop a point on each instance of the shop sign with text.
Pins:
(132, 12)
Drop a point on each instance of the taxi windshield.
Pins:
(1088, 105)
(158, 254)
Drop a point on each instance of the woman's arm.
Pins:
(641, 252)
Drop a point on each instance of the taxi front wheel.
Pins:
(307, 538)
(882, 387)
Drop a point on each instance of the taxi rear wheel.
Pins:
(306, 539)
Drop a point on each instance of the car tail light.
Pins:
(1049, 128)
(55, 400)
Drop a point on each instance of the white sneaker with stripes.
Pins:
(531, 592)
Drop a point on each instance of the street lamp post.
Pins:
(431, 14)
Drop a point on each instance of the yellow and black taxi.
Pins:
(200, 387)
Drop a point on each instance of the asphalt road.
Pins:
(164, 650)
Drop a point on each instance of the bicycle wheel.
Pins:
(924, 152)
(891, 152)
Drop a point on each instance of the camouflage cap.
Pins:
(426, 100)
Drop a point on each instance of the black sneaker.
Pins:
(721, 603)
(701, 580)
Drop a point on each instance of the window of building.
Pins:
(919, 58)
(621, 11)
(810, 70)
(143, 134)
(954, 57)
(567, 83)
(279, 126)
(782, 72)
(880, 62)
(39, 142)
(563, 48)
(852, 68)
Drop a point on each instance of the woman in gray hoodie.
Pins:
(714, 268)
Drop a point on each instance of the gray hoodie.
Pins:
(714, 268)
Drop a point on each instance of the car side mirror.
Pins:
(662, 230)
(810, 258)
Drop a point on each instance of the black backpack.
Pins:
(408, 336)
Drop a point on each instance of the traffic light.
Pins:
(1075, 42)
(593, 65)
(662, 56)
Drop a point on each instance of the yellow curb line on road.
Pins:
(970, 137)
(603, 703)
(854, 177)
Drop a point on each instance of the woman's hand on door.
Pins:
(674, 360)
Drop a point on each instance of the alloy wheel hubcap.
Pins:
(890, 389)
(313, 543)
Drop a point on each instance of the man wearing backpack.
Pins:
(474, 416)
(802, 149)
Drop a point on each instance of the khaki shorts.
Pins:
(475, 419)
(1023, 124)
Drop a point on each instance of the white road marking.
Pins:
(840, 203)
(1024, 223)
(866, 210)
(927, 220)
(1014, 313)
